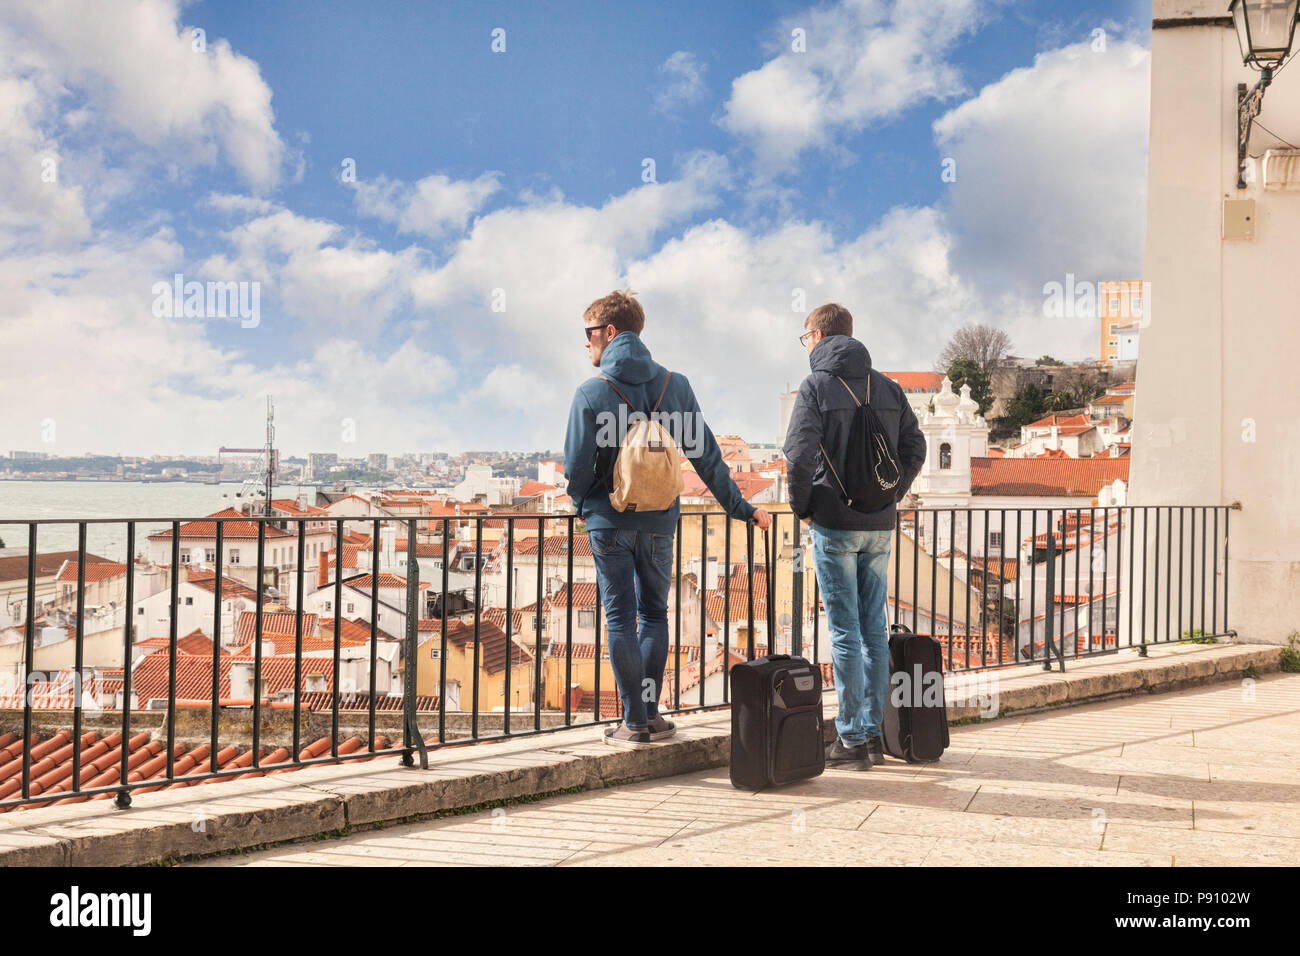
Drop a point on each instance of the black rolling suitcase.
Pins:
(776, 722)
(916, 718)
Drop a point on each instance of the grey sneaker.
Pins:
(661, 728)
(621, 735)
(847, 758)
(876, 748)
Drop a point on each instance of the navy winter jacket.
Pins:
(591, 445)
(822, 416)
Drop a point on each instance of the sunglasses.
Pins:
(592, 328)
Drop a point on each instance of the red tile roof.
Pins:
(319, 700)
(911, 381)
(1068, 477)
(101, 760)
(586, 594)
(234, 530)
(273, 622)
(356, 631)
(531, 488)
(293, 509)
(95, 571)
(1061, 421)
(195, 642)
(194, 675)
(230, 587)
(610, 703)
(582, 650)
(557, 545)
(492, 640)
(387, 579)
(14, 567)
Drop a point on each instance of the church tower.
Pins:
(954, 434)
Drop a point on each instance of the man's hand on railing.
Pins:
(762, 519)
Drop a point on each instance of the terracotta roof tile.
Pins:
(95, 571)
(234, 530)
(1072, 477)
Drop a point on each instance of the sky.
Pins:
(418, 201)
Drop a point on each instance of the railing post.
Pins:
(796, 616)
(1049, 598)
(410, 728)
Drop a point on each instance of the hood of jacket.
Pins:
(626, 359)
(841, 355)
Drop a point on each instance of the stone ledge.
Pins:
(322, 800)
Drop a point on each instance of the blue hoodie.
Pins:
(588, 462)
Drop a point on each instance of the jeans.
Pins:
(852, 572)
(633, 569)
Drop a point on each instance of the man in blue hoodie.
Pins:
(633, 550)
(850, 549)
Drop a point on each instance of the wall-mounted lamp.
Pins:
(1264, 30)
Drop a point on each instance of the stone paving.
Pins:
(1208, 776)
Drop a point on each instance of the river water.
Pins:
(41, 500)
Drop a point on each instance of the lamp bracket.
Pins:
(1249, 104)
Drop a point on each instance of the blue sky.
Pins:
(516, 178)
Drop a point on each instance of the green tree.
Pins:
(1048, 360)
(1060, 401)
(1029, 405)
(964, 371)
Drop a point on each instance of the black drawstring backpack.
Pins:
(871, 471)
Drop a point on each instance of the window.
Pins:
(586, 619)
(185, 557)
(995, 540)
(945, 455)
(435, 653)
(328, 607)
(139, 610)
(1135, 305)
(189, 602)
(67, 590)
(351, 607)
(234, 556)
(1114, 302)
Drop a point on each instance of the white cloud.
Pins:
(316, 270)
(1051, 175)
(681, 82)
(433, 206)
(864, 61)
(405, 344)
(140, 75)
(232, 204)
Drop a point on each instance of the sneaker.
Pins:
(876, 748)
(848, 758)
(621, 735)
(661, 728)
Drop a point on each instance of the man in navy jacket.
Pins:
(633, 550)
(850, 549)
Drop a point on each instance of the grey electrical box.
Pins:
(1239, 219)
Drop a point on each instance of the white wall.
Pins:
(1220, 337)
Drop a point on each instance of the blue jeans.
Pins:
(852, 572)
(633, 569)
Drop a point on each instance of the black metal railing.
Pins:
(1028, 609)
